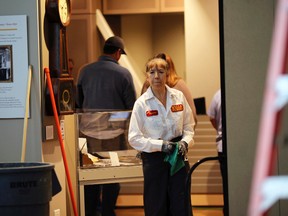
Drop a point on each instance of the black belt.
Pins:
(153, 155)
(176, 139)
(159, 154)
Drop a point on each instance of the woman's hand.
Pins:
(168, 147)
(182, 148)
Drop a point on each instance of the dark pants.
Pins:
(93, 202)
(223, 169)
(222, 163)
(93, 205)
(163, 194)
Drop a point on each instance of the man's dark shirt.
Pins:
(105, 85)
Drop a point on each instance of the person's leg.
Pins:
(109, 198)
(92, 199)
(92, 192)
(187, 167)
(123, 142)
(177, 193)
(221, 163)
(156, 174)
(223, 170)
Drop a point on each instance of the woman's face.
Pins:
(157, 73)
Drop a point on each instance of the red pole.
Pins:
(49, 83)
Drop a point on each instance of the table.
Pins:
(105, 175)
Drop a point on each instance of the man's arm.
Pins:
(129, 93)
(79, 96)
(213, 122)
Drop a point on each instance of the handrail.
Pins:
(188, 183)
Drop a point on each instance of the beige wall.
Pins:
(195, 50)
(148, 34)
(51, 149)
(137, 32)
(202, 47)
(70, 131)
(168, 37)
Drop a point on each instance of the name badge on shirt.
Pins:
(151, 113)
(177, 108)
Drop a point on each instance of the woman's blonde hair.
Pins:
(172, 76)
(157, 62)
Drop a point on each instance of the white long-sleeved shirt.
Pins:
(151, 122)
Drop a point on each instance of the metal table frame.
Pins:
(106, 175)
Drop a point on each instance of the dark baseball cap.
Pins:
(117, 42)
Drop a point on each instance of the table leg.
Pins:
(82, 200)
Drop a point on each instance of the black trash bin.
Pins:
(26, 189)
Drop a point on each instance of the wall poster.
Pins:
(13, 66)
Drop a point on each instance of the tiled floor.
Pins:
(201, 211)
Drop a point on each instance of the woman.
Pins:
(161, 127)
(176, 82)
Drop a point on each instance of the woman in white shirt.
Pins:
(161, 128)
(176, 82)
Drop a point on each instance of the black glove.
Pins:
(182, 148)
(168, 147)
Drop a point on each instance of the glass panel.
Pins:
(104, 130)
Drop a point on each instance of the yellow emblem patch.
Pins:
(177, 108)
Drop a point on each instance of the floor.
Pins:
(197, 211)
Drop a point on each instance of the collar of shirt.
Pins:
(107, 58)
(149, 94)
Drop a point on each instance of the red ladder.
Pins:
(270, 117)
